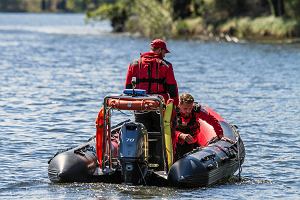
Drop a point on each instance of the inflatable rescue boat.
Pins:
(128, 153)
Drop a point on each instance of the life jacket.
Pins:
(151, 72)
(192, 128)
(193, 125)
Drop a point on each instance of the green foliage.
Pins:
(117, 13)
(32, 6)
(276, 27)
(178, 18)
(152, 18)
(149, 18)
(293, 9)
(75, 5)
(188, 27)
(45, 5)
(105, 11)
(20, 5)
(180, 29)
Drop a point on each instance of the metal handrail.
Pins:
(107, 125)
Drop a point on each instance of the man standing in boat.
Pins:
(151, 72)
(188, 133)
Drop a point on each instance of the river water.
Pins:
(55, 71)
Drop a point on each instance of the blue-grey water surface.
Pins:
(55, 71)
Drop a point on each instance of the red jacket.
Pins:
(193, 125)
(153, 74)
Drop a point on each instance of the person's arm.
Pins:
(172, 85)
(129, 76)
(213, 122)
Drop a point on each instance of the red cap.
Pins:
(159, 43)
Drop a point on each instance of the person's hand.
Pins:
(187, 138)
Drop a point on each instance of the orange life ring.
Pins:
(133, 104)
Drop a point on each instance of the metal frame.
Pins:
(107, 128)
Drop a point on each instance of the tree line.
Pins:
(48, 5)
(203, 18)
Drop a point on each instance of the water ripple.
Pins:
(54, 78)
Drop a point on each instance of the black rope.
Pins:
(142, 174)
(239, 159)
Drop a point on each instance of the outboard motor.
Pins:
(133, 153)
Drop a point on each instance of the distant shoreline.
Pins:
(189, 37)
(231, 21)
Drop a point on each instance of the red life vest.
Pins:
(154, 75)
(199, 124)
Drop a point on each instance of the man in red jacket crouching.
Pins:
(189, 115)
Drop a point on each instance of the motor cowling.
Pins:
(133, 152)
